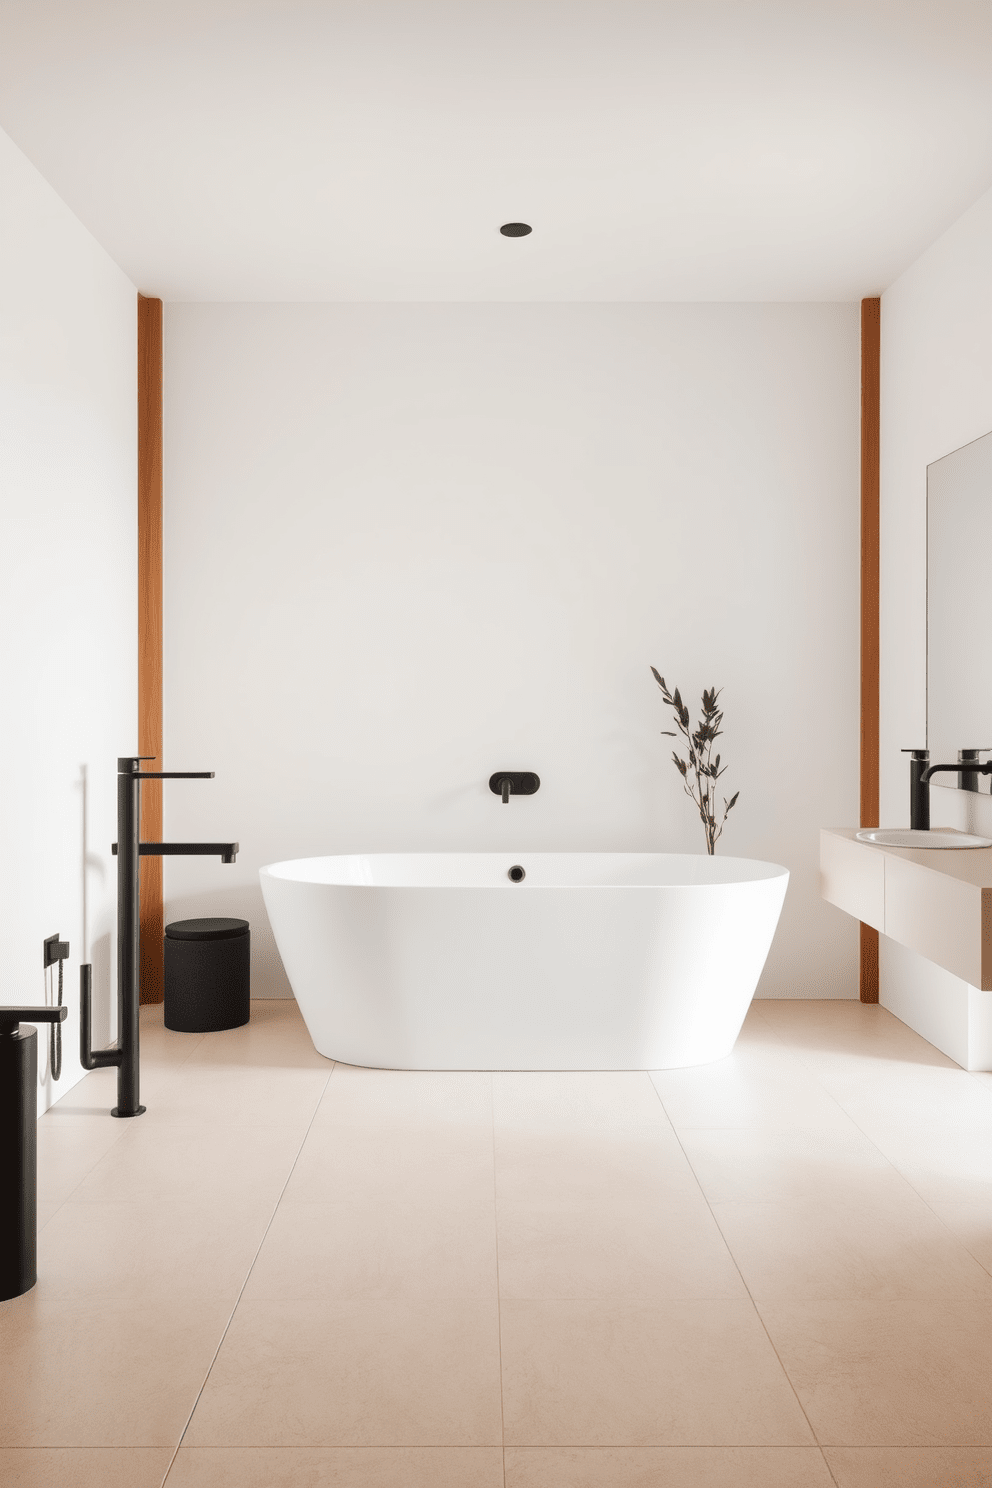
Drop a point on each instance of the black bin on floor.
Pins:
(207, 975)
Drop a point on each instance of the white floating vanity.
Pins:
(934, 911)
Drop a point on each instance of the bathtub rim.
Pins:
(766, 871)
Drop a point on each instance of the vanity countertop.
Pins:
(972, 865)
(938, 903)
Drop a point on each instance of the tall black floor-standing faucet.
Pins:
(130, 849)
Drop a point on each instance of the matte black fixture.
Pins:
(968, 777)
(130, 850)
(507, 783)
(55, 951)
(920, 771)
(516, 229)
(516, 874)
(19, 1146)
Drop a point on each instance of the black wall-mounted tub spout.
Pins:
(130, 850)
(507, 783)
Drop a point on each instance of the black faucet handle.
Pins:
(10, 1017)
(916, 753)
(176, 774)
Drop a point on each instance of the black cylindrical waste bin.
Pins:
(19, 1147)
(207, 975)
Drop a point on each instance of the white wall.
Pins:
(67, 592)
(936, 396)
(409, 545)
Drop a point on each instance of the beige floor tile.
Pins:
(945, 1165)
(794, 1163)
(972, 1224)
(753, 1087)
(338, 1467)
(882, 1093)
(228, 1095)
(624, 1167)
(161, 1250)
(46, 1209)
(910, 1467)
(653, 1249)
(275, 1037)
(374, 1099)
(570, 1100)
(676, 1373)
(96, 1093)
(889, 1373)
(194, 1161)
(405, 1162)
(70, 1148)
(666, 1467)
(815, 1251)
(834, 1017)
(378, 1250)
(83, 1467)
(354, 1374)
(102, 1373)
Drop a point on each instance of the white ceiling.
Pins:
(370, 149)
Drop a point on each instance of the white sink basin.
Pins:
(911, 837)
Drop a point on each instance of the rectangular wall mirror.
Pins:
(959, 648)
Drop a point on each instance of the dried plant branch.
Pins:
(702, 769)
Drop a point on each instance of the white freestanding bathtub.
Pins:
(591, 961)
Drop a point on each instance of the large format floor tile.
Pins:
(666, 1467)
(338, 1467)
(84, 1467)
(429, 1100)
(354, 1374)
(349, 1276)
(378, 1250)
(194, 1161)
(824, 1250)
(151, 1250)
(581, 1167)
(575, 1100)
(910, 1467)
(655, 1247)
(103, 1373)
(889, 1373)
(606, 1373)
(790, 1163)
(752, 1087)
(405, 1163)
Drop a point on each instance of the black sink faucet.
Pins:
(920, 770)
(130, 850)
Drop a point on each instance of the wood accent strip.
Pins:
(150, 635)
(871, 325)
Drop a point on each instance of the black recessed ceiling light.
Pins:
(516, 229)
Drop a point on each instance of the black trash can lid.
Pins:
(218, 929)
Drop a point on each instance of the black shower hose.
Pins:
(55, 1035)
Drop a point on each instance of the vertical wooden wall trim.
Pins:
(870, 415)
(150, 634)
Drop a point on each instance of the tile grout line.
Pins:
(740, 1273)
(237, 1301)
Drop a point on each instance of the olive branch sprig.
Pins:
(702, 770)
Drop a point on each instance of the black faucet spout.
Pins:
(920, 774)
